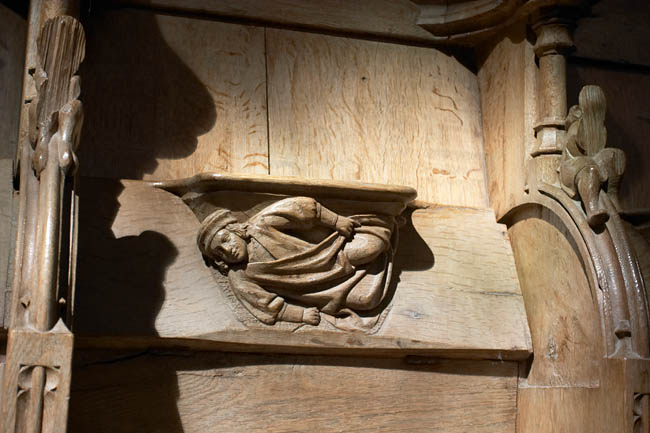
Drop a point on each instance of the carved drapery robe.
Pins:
(292, 256)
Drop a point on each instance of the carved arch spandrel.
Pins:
(585, 185)
(562, 310)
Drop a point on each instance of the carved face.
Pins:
(229, 247)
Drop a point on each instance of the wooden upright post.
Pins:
(39, 352)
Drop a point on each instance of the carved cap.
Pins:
(214, 222)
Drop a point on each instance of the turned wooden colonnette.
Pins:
(321, 216)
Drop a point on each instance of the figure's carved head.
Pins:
(223, 239)
(228, 246)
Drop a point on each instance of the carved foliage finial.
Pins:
(587, 164)
(56, 119)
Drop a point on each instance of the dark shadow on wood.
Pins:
(141, 101)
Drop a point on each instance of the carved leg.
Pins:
(588, 183)
(612, 162)
(369, 293)
(364, 248)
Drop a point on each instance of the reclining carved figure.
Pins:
(296, 258)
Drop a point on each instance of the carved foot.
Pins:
(311, 316)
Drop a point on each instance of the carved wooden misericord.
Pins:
(296, 259)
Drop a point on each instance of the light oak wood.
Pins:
(569, 386)
(357, 110)
(7, 234)
(610, 407)
(145, 283)
(565, 330)
(222, 392)
(141, 275)
(359, 191)
(508, 83)
(187, 95)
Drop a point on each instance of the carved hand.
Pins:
(345, 226)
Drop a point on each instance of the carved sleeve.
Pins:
(264, 305)
(297, 213)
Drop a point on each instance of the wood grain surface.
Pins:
(470, 296)
(141, 275)
(224, 392)
(570, 385)
(562, 311)
(359, 110)
(609, 407)
(172, 97)
(507, 79)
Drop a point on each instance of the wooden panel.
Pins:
(217, 392)
(566, 410)
(562, 311)
(357, 110)
(384, 18)
(7, 235)
(13, 29)
(142, 275)
(471, 295)
(570, 386)
(616, 31)
(627, 122)
(507, 82)
(172, 96)
(13, 33)
(609, 407)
